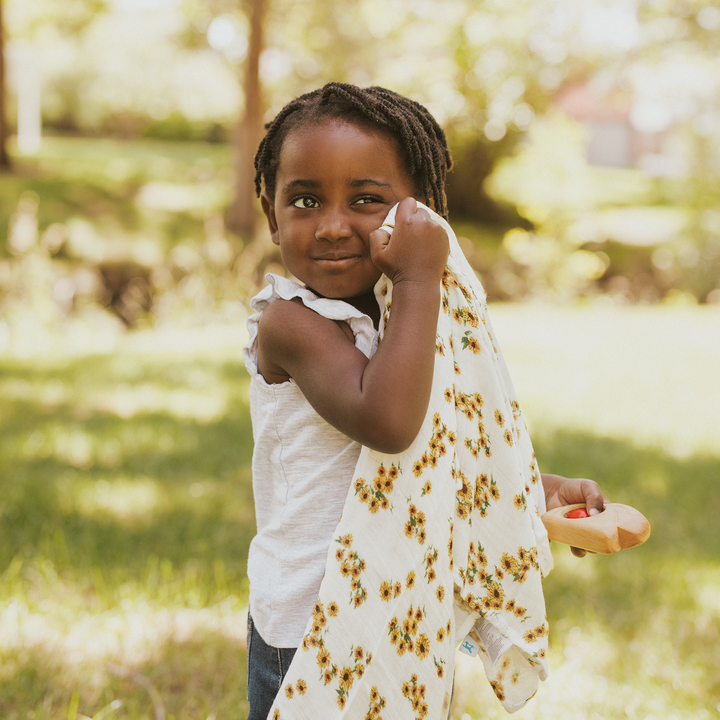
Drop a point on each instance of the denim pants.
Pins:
(266, 668)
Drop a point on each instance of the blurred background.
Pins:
(586, 142)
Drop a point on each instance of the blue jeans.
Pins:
(266, 668)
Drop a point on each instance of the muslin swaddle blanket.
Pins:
(439, 546)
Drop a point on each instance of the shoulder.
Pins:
(289, 318)
(293, 323)
(289, 331)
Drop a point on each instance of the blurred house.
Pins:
(620, 132)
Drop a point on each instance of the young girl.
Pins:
(331, 166)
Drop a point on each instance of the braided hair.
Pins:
(421, 141)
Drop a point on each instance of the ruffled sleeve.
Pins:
(366, 337)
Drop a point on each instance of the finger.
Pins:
(407, 207)
(423, 211)
(379, 238)
(594, 499)
(595, 507)
(382, 234)
(591, 495)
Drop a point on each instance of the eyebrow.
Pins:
(294, 184)
(312, 184)
(369, 181)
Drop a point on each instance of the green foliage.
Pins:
(591, 229)
(120, 225)
(692, 259)
(177, 127)
(70, 18)
(490, 72)
(121, 71)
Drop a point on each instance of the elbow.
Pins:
(393, 438)
(388, 445)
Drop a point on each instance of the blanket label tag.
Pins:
(469, 646)
(494, 642)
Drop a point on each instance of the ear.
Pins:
(268, 208)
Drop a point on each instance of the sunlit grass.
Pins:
(648, 374)
(126, 514)
(627, 397)
(611, 660)
(120, 160)
(126, 517)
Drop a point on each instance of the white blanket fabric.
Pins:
(437, 546)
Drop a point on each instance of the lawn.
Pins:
(628, 397)
(126, 517)
(126, 514)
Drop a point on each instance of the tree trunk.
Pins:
(249, 132)
(4, 157)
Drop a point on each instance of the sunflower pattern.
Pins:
(351, 567)
(376, 495)
(376, 705)
(435, 543)
(415, 694)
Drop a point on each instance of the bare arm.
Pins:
(382, 402)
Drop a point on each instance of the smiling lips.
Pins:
(337, 260)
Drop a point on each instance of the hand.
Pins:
(561, 491)
(416, 251)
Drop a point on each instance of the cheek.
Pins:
(293, 236)
(290, 254)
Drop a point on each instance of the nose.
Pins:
(333, 225)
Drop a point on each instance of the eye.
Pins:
(366, 200)
(305, 202)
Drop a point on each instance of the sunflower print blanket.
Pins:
(438, 547)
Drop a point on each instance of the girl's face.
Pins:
(335, 184)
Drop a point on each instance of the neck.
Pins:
(368, 305)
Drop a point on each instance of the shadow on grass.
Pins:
(192, 680)
(199, 518)
(195, 496)
(676, 495)
(178, 453)
(656, 594)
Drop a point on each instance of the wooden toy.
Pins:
(616, 528)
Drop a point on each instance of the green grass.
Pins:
(126, 514)
(627, 397)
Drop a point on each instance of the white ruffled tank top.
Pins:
(302, 469)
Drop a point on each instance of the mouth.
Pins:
(337, 256)
(337, 260)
